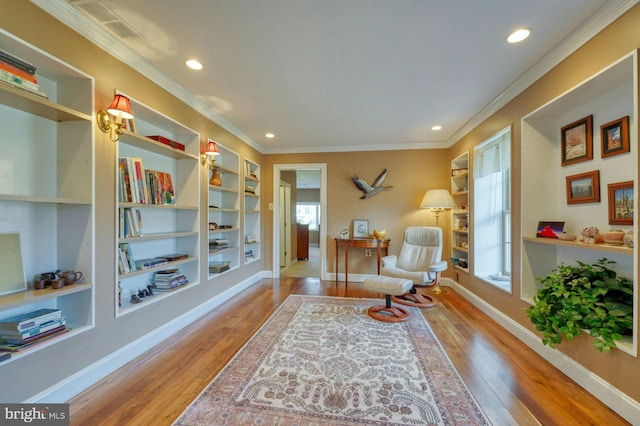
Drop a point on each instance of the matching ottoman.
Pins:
(389, 286)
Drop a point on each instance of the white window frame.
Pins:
(492, 226)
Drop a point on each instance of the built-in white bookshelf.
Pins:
(168, 226)
(224, 214)
(251, 211)
(47, 187)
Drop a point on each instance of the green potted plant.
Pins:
(588, 297)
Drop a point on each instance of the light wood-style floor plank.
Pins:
(512, 384)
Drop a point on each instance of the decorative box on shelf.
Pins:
(167, 141)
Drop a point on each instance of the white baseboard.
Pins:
(615, 399)
(71, 386)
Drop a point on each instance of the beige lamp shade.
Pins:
(437, 200)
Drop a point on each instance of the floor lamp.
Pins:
(438, 200)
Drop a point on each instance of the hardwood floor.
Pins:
(512, 384)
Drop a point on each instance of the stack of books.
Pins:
(250, 239)
(168, 279)
(19, 73)
(150, 262)
(26, 330)
(215, 267)
(217, 244)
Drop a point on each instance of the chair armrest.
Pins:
(438, 266)
(389, 261)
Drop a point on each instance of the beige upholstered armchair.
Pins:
(419, 260)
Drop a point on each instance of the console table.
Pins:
(361, 243)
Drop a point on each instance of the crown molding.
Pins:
(608, 13)
(68, 15)
(604, 17)
(357, 148)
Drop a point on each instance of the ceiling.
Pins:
(341, 75)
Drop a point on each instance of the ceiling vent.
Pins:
(99, 12)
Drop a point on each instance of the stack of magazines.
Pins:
(26, 330)
(168, 279)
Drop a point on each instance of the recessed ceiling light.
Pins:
(270, 135)
(194, 64)
(436, 128)
(518, 35)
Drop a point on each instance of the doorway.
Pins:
(310, 204)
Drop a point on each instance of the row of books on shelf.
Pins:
(168, 279)
(19, 73)
(137, 185)
(130, 223)
(127, 263)
(30, 329)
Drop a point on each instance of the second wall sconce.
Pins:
(208, 157)
(112, 119)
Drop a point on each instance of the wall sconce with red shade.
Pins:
(208, 157)
(120, 109)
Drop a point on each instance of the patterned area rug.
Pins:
(324, 361)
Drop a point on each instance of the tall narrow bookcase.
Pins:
(251, 211)
(460, 226)
(47, 186)
(167, 228)
(224, 214)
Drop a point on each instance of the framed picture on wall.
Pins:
(583, 188)
(360, 228)
(577, 141)
(621, 203)
(615, 137)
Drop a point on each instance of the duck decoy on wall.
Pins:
(371, 190)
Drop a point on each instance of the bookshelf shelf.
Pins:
(32, 296)
(158, 268)
(159, 206)
(49, 144)
(164, 228)
(252, 248)
(143, 142)
(33, 104)
(44, 200)
(158, 236)
(226, 199)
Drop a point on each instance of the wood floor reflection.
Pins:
(512, 384)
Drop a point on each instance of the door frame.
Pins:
(277, 169)
(285, 216)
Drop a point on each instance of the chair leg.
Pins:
(413, 298)
(388, 312)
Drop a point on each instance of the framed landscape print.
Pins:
(577, 141)
(621, 203)
(583, 188)
(615, 137)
